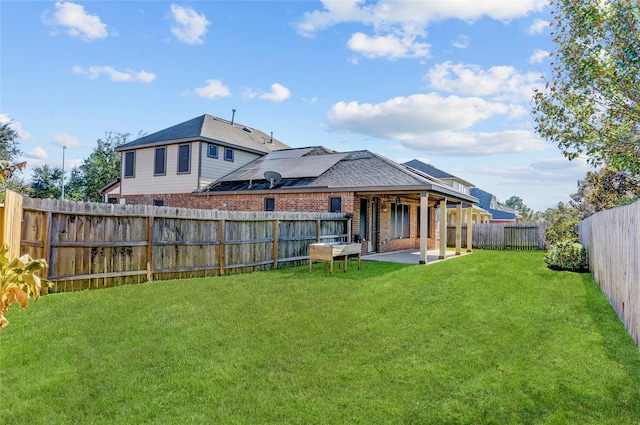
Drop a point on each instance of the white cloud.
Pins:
(461, 42)
(278, 93)
(397, 24)
(190, 27)
(385, 13)
(24, 135)
(389, 46)
(402, 117)
(538, 26)
(36, 153)
(127, 76)
(213, 89)
(66, 140)
(79, 23)
(498, 82)
(538, 56)
(475, 144)
(550, 170)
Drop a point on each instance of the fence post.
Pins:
(318, 230)
(12, 222)
(275, 242)
(150, 221)
(221, 251)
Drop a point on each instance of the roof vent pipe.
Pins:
(233, 115)
(271, 139)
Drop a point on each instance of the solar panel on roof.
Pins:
(288, 167)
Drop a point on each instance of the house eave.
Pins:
(191, 140)
(435, 191)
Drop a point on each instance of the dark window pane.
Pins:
(158, 203)
(160, 161)
(228, 154)
(129, 164)
(269, 204)
(184, 158)
(213, 151)
(335, 204)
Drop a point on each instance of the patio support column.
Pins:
(443, 229)
(469, 228)
(424, 226)
(458, 228)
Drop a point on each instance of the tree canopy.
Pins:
(45, 182)
(604, 189)
(590, 105)
(9, 148)
(527, 215)
(99, 169)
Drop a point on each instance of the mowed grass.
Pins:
(493, 337)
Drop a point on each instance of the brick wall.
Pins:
(299, 202)
(309, 202)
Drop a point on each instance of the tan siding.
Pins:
(214, 168)
(145, 182)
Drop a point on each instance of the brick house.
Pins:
(391, 205)
(186, 157)
(211, 163)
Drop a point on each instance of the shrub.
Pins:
(19, 280)
(561, 221)
(567, 255)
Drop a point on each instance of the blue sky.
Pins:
(446, 82)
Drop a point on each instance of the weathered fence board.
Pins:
(520, 236)
(612, 241)
(90, 245)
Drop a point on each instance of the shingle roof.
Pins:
(484, 201)
(210, 128)
(357, 170)
(429, 169)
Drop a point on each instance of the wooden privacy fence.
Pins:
(91, 245)
(502, 235)
(612, 241)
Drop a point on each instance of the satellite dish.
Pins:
(272, 177)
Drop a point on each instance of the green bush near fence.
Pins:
(567, 255)
(493, 337)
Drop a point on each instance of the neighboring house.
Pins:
(501, 213)
(391, 205)
(110, 192)
(165, 167)
(479, 214)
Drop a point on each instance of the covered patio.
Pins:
(412, 256)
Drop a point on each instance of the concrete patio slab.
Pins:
(412, 256)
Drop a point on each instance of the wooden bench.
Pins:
(327, 252)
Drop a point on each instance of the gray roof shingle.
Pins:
(213, 129)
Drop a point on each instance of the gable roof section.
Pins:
(484, 200)
(435, 172)
(357, 171)
(210, 129)
(429, 169)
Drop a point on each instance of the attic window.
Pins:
(213, 151)
(228, 154)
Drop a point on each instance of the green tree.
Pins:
(527, 215)
(9, 148)
(561, 221)
(100, 168)
(605, 189)
(590, 103)
(45, 182)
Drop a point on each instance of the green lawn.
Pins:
(493, 337)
